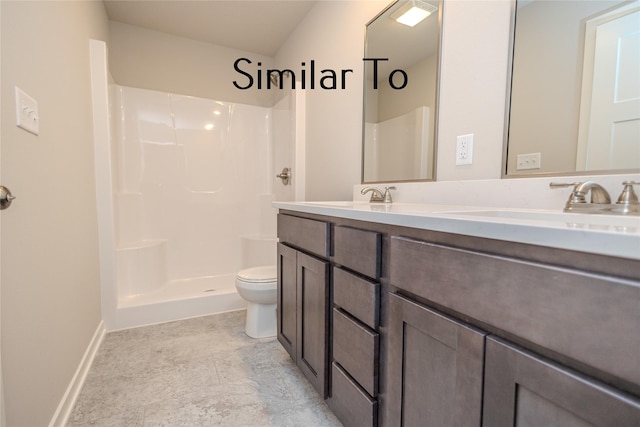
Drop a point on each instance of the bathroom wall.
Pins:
(473, 86)
(148, 59)
(332, 34)
(473, 83)
(472, 93)
(50, 272)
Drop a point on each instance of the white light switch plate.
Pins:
(27, 112)
(528, 161)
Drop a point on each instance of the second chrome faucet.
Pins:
(377, 196)
(600, 201)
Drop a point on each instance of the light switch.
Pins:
(27, 112)
(528, 161)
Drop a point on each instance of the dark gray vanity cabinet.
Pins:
(434, 368)
(577, 317)
(356, 336)
(287, 291)
(303, 298)
(438, 329)
(525, 390)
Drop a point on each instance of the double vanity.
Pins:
(432, 315)
(408, 314)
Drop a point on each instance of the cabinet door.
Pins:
(435, 367)
(287, 277)
(312, 337)
(523, 390)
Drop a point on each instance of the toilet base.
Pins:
(261, 320)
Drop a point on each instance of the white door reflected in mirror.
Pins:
(575, 93)
(613, 121)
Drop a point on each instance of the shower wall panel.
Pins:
(193, 172)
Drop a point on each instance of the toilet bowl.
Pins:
(257, 286)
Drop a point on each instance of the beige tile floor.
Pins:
(196, 372)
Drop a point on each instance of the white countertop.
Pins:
(600, 234)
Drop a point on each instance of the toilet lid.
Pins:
(265, 273)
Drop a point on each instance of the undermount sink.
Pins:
(338, 204)
(394, 208)
(589, 220)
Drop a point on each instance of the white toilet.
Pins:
(257, 286)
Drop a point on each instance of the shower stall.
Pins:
(184, 189)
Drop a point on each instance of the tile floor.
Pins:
(197, 372)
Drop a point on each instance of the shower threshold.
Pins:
(180, 299)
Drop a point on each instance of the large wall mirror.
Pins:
(400, 122)
(575, 91)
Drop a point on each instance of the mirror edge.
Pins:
(505, 142)
(434, 163)
(364, 94)
(436, 117)
(507, 104)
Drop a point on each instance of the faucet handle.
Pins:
(387, 194)
(628, 195)
(575, 196)
(563, 184)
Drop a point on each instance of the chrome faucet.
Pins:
(600, 202)
(577, 199)
(378, 196)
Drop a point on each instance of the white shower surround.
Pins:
(192, 193)
(183, 195)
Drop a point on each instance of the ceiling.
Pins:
(249, 25)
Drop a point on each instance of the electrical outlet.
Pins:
(528, 161)
(464, 149)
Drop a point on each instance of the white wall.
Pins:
(148, 59)
(332, 34)
(472, 91)
(473, 85)
(50, 273)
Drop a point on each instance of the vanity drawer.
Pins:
(307, 234)
(358, 250)
(352, 406)
(357, 296)
(590, 318)
(355, 348)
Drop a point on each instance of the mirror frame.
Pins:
(434, 162)
(507, 119)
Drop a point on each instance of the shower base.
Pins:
(180, 299)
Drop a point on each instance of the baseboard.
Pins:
(61, 417)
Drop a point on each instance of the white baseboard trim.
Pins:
(61, 417)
